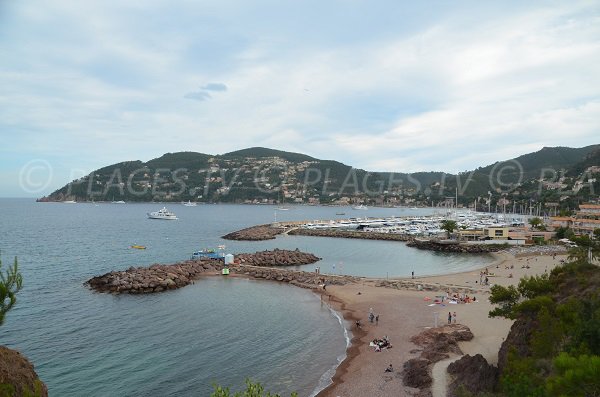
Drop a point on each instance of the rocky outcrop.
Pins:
(349, 234)
(518, 338)
(437, 344)
(255, 233)
(472, 374)
(18, 375)
(417, 374)
(277, 257)
(433, 245)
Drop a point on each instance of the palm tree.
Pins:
(449, 226)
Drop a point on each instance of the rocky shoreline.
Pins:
(160, 278)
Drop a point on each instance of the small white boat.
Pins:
(282, 208)
(190, 204)
(162, 213)
(70, 202)
(361, 207)
(118, 202)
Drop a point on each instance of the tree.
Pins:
(10, 283)
(449, 226)
(575, 376)
(586, 250)
(536, 223)
(252, 390)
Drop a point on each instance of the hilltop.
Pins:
(561, 175)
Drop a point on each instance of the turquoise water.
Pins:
(179, 343)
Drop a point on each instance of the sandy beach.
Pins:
(405, 313)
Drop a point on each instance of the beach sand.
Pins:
(405, 313)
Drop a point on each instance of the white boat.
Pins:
(282, 208)
(163, 213)
(361, 207)
(190, 204)
(70, 202)
(118, 202)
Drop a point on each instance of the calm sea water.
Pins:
(179, 343)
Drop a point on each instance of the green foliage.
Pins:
(536, 223)
(575, 376)
(449, 226)
(7, 390)
(10, 283)
(561, 355)
(252, 390)
(548, 337)
(507, 298)
(521, 377)
(564, 232)
(533, 286)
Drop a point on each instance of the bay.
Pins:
(178, 343)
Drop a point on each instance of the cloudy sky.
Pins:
(383, 86)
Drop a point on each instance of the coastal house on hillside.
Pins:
(587, 219)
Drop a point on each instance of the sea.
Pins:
(183, 342)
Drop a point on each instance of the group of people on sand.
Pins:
(460, 298)
(379, 344)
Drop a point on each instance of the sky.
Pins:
(380, 85)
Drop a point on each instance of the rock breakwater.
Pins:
(349, 234)
(159, 278)
(255, 233)
(461, 248)
(155, 278)
(277, 257)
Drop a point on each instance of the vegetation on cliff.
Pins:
(17, 376)
(553, 348)
(10, 283)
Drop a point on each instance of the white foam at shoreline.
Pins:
(327, 378)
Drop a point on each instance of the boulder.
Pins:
(472, 374)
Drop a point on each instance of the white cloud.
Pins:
(450, 90)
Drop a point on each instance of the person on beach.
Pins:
(389, 369)
(449, 318)
(454, 317)
(371, 317)
(357, 323)
(377, 319)
(413, 276)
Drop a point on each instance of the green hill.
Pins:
(261, 174)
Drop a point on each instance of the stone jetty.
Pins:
(255, 233)
(159, 278)
(349, 234)
(277, 257)
(156, 278)
(433, 245)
